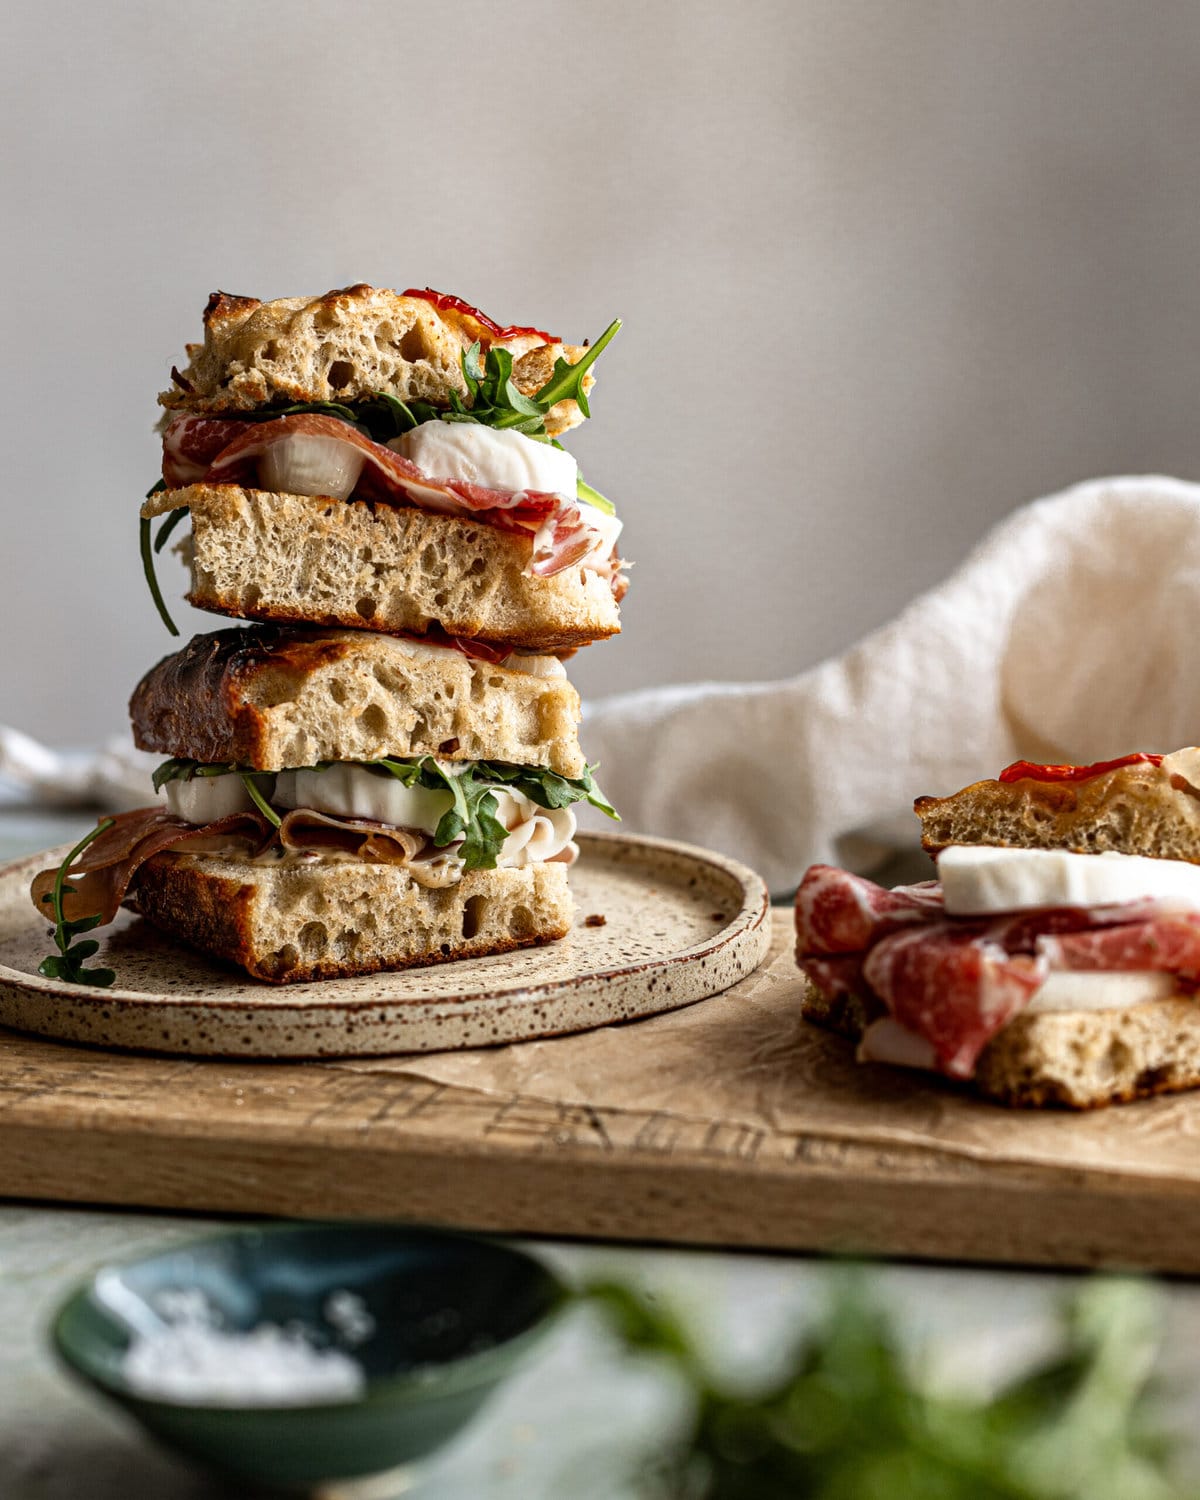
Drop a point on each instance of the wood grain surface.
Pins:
(361, 1139)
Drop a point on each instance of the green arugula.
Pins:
(151, 549)
(470, 818)
(472, 815)
(68, 962)
(847, 1420)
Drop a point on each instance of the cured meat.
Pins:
(953, 987)
(1168, 943)
(956, 981)
(191, 443)
(837, 912)
(562, 536)
(104, 872)
(363, 838)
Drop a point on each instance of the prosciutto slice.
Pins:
(954, 988)
(199, 449)
(101, 877)
(191, 443)
(837, 912)
(956, 981)
(305, 830)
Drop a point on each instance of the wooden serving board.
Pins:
(728, 1123)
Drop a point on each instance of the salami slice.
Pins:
(837, 912)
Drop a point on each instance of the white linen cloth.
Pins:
(1071, 633)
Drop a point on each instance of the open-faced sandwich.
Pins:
(1055, 959)
(340, 800)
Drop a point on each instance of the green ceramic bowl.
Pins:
(427, 1373)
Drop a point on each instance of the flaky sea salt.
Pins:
(191, 1358)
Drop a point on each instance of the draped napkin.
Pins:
(1068, 635)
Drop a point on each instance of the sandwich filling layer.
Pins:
(452, 817)
(498, 478)
(942, 968)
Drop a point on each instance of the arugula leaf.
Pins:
(264, 807)
(181, 769)
(589, 496)
(152, 578)
(566, 380)
(68, 963)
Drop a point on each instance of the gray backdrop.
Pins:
(887, 269)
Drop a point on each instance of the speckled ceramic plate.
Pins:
(657, 925)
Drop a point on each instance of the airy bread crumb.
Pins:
(271, 698)
(262, 556)
(287, 923)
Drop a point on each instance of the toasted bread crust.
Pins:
(1138, 809)
(1062, 1059)
(272, 698)
(290, 925)
(350, 344)
(306, 559)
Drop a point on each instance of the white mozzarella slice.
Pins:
(204, 799)
(887, 1041)
(350, 791)
(534, 666)
(307, 464)
(978, 879)
(495, 458)
(1066, 990)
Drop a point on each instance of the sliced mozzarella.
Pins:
(495, 458)
(349, 791)
(306, 464)
(887, 1041)
(1093, 990)
(978, 879)
(534, 666)
(204, 799)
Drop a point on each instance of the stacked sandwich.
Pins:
(1056, 958)
(382, 771)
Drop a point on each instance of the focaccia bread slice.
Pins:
(273, 697)
(1070, 1059)
(292, 922)
(263, 556)
(349, 345)
(1134, 809)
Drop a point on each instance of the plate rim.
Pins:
(753, 913)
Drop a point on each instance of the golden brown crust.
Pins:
(235, 912)
(1138, 809)
(350, 344)
(272, 697)
(279, 558)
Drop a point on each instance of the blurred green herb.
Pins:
(68, 962)
(847, 1421)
